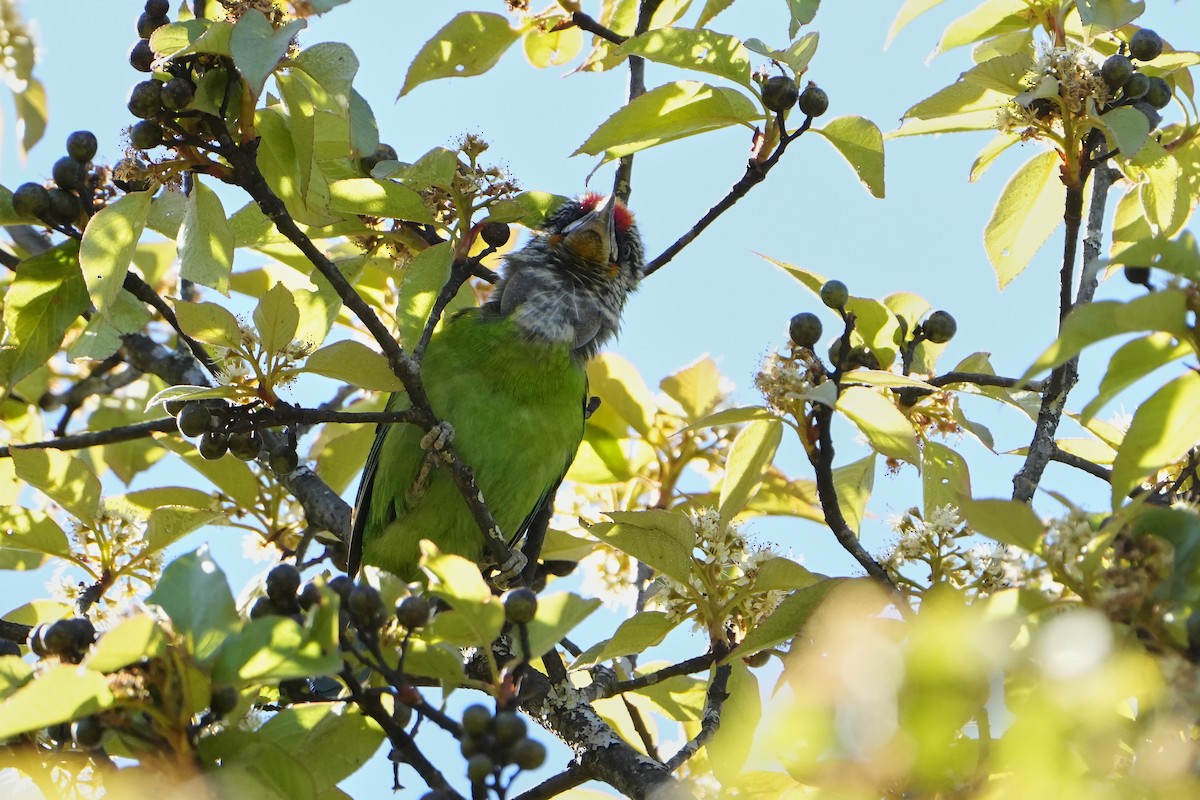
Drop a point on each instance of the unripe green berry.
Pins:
(82, 145)
(365, 604)
(69, 173)
(1137, 86)
(758, 659)
(779, 93)
(1146, 45)
(835, 294)
(804, 329)
(402, 714)
(413, 611)
(31, 200)
(213, 445)
(939, 327)
(145, 99)
(476, 719)
(508, 728)
(1115, 70)
(814, 101)
(1159, 93)
(529, 754)
(479, 767)
(284, 461)
(385, 153)
(520, 605)
(838, 351)
(193, 420)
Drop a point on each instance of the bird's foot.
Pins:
(438, 438)
(435, 443)
(510, 571)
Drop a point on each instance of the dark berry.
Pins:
(83, 633)
(149, 23)
(158, 8)
(194, 419)
(529, 753)
(1146, 45)
(413, 611)
(82, 146)
(476, 719)
(1150, 112)
(63, 209)
(341, 585)
(295, 688)
(213, 445)
(479, 767)
(177, 93)
(284, 461)
(861, 356)
(1138, 275)
(9, 648)
(1116, 70)
(37, 640)
(87, 732)
(31, 200)
(365, 604)
(173, 407)
(813, 101)
(141, 56)
(804, 329)
(245, 446)
(838, 351)
(471, 744)
(224, 700)
(145, 135)
(309, 596)
(508, 728)
(385, 153)
(520, 605)
(1159, 93)
(58, 639)
(835, 294)
(145, 99)
(402, 714)
(262, 607)
(939, 327)
(495, 233)
(283, 581)
(69, 173)
(779, 93)
(1137, 85)
(129, 175)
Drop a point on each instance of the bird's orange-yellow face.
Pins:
(592, 237)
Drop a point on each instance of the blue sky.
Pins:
(718, 297)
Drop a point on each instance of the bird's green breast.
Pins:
(516, 407)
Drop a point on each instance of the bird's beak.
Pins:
(594, 235)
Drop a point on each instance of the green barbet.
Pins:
(509, 377)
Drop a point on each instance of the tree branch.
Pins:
(710, 723)
(78, 441)
(1071, 460)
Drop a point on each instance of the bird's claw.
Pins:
(438, 438)
(510, 570)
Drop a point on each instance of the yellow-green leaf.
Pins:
(696, 387)
(853, 483)
(1133, 361)
(61, 693)
(750, 455)
(552, 48)
(257, 46)
(1163, 429)
(662, 539)
(44, 298)
(1006, 521)
(356, 364)
(276, 317)
(699, 49)
(424, 277)
(1028, 211)
(108, 244)
(469, 44)
(65, 479)
(635, 635)
(860, 143)
(944, 474)
(378, 198)
(205, 241)
(886, 428)
(209, 323)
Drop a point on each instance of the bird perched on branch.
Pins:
(509, 378)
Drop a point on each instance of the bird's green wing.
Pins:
(368, 520)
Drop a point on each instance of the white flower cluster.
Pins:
(720, 595)
(1064, 80)
(787, 380)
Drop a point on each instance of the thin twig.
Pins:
(585, 22)
(687, 667)
(984, 379)
(572, 776)
(1072, 460)
(79, 441)
(710, 722)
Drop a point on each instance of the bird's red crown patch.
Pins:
(622, 216)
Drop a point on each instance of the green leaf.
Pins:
(1165, 206)
(907, 13)
(557, 615)
(257, 46)
(945, 477)
(1102, 16)
(1004, 74)
(168, 524)
(108, 244)
(1165, 310)
(885, 426)
(796, 55)
(801, 13)
(424, 277)
(276, 318)
(209, 323)
(192, 36)
(552, 48)
(1028, 211)
(711, 9)
(331, 741)
(699, 49)
(730, 746)
(272, 648)
(750, 455)
(45, 297)
(193, 592)
(853, 483)
(378, 198)
(1163, 429)
(205, 241)
(782, 574)
(478, 616)
(27, 538)
(470, 44)
(696, 387)
(667, 113)
(961, 106)
(135, 638)
(65, 479)
(994, 149)
(356, 364)
(732, 416)
(1006, 521)
(527, 208)
(635, 635)
(861, 143)
(786, 620)
(987, 20)
(1131, 362)
(436, 168)
(619, 385)
(1127, 128)
(661, 539)
(61, 693)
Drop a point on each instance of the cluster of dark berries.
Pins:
(779, 93)
(492, 742)
(72, 197)
(282, 598)
(66, 639)
(210, 419)
(1147, 94)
